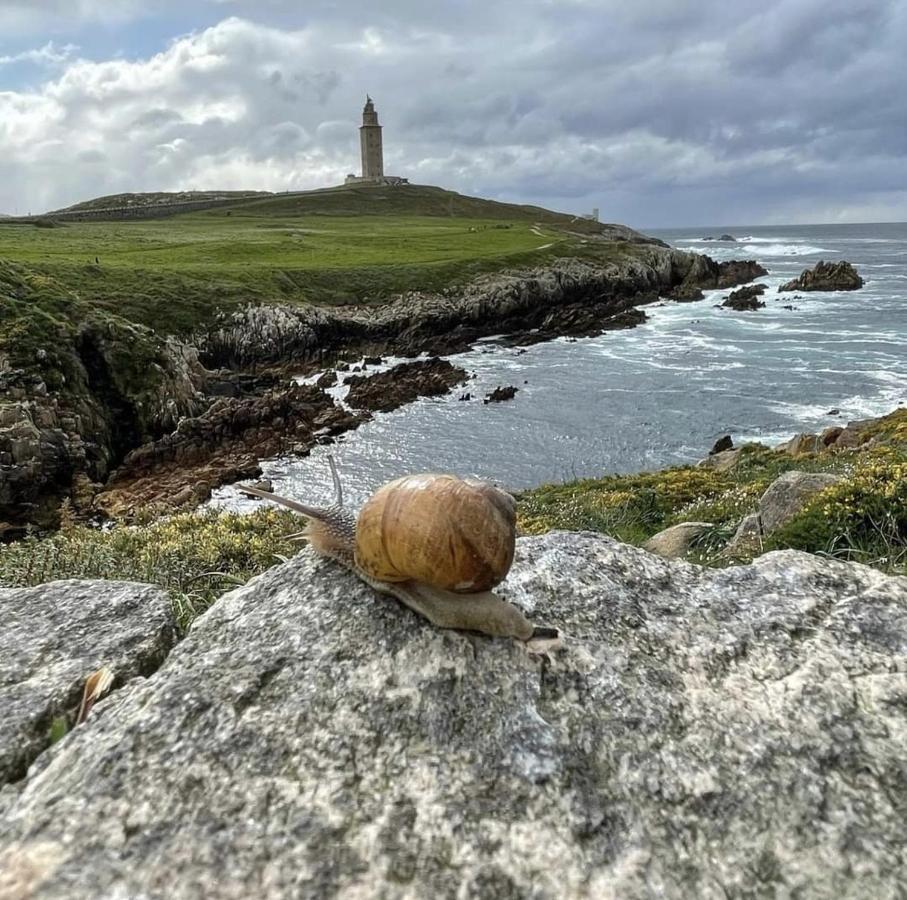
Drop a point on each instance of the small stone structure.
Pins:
(372, 148)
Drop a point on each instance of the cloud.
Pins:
(657, 113)
(50, 54)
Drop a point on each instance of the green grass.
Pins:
(862, 518)
(176, 274)
(194, 557)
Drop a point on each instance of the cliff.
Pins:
(82, 389)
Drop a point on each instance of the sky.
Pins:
(660, 112)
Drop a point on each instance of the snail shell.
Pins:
(444, 531)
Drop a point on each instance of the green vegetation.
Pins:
(862, 518)
(345, 245)
(195, 557)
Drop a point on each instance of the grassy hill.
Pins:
(355, 244)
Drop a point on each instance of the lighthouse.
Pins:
(371, 146)
(370, 142)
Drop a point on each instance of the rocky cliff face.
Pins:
(516, 302)
(702, 733)
(126, 387)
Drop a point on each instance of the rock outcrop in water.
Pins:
(733, 732)
(826, 276)
(747, 298)
(403, 384)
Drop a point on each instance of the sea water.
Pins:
(659, 394)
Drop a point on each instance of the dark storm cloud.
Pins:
(657, 112)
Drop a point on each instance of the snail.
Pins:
(437, 543)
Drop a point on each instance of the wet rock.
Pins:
(746, 298)
(310, 738)
(501, 395)
(723, 443)
(685, 293)
(327, 379)
(676, 541)
(826, 276)
(788, 494)
(728, 237)
(403, 384)
(53, 637)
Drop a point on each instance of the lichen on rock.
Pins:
(737, 731)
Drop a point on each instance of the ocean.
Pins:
(659, 394)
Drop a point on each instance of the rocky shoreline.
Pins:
(138, 420)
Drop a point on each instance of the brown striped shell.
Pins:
(444, 531)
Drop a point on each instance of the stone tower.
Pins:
(370, 142)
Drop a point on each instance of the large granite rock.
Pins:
(788, 494)
(676, 541)
(704, 733)
(53, 637)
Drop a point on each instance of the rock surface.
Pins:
(221, 446)
(53, 637)
(402, 384)
(802, 443)
(826, 276)
(746, 298)
(501, 394)
(674, 542)
(788, 494)
(703, 733)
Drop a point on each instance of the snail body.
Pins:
(436, 542)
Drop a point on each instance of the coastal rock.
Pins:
(746, 297)
(501, 394)
(404, 383)
(56, 440)
(788, 494)
(675, 542)
(702, 732)
(853, 435)
(729, 238)
(53, 637)
(748, 292)
(800, 444)
(221, 446)
(723, 461)
(722, 444)
(826, 276)
(327, 379)
(686, 293)
(747, 538)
